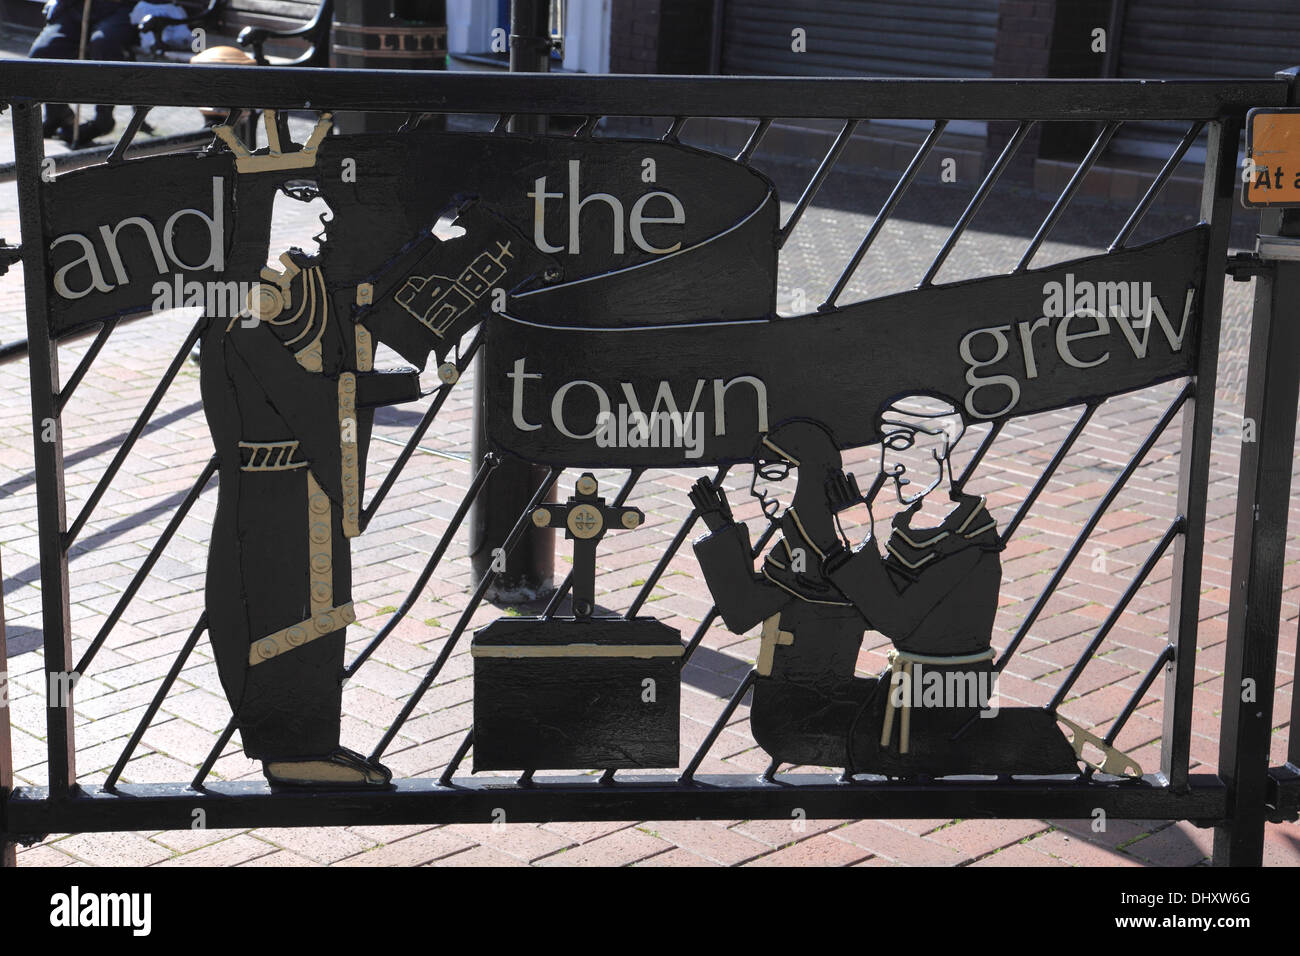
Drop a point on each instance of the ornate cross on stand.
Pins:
(585, 518)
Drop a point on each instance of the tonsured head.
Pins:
(917, 434)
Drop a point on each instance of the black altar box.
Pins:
(576, 694)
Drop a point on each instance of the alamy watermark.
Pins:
(637, 429)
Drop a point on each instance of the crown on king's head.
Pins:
(273, 157)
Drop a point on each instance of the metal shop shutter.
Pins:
(945, 38)
(1201, 39)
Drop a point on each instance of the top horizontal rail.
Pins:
(146, 84)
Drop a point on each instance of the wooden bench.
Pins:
(299, 28)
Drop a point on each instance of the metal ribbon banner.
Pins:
(563, 393)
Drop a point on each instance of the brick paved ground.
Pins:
(173, 449)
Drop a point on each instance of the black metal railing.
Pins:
(1213, 109)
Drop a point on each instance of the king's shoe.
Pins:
(341, 768)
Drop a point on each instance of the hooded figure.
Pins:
(806, 694)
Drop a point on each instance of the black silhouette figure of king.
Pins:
(290, 392)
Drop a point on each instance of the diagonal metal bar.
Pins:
(502, 124)
(462, 363)
(670, 552)
(1162, 659)
(706, 745)
(449, 771)
(489, 463)
(887, 210)
(133, 126)
(129, 441)
(159, 696)
(1023, 511)
(101, 338)
(1067, 194)
(147, 565)
(619, 500)
(675, 130)
(449, 645)
(1115, 488)
(973, 207)
(815, 184)
(213, 754)
(1116, 613)
(756, 137)
(1157, 185)
(994, 430)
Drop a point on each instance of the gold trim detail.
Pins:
(585, 521)
(286, 639)
(365, 349)
(320, 545)
(273, 158)
(787, 588)
(1116, 763)
(310, 356)
(275, 456)
(577, 650)
(351, 476)
(903, 661)
(769, 638)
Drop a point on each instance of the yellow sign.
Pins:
(1271, 176)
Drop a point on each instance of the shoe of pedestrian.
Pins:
(58, 122)
(88, 131)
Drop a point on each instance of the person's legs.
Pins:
(108, 40)
(56, 42)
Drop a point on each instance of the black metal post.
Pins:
(47, 439)
(8, 850)
(1194, 467)
(1259, 545)
(529, 570)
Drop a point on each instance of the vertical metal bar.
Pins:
(1259, 554)
(8, 851)
(1194, 467)
(47, 434)
(531, 567)
(1293, 733)
(1116, 486)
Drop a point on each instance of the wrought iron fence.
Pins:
(1237, 800)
